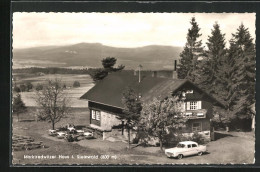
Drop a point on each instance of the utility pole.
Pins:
(140, 66)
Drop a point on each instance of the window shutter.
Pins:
(199, 104)
(188, 105)
(184, 106)
(93, 113)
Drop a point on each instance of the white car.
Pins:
(61, 134)
(89, 135)
(185, 148)
(52, 132)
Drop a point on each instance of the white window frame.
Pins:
(95, 114)
(193, 105)
(98, 115)
(197, 129)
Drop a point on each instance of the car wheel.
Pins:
(200, 153)
(180, 156)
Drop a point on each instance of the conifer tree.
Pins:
(192, 51)
(18, 105)
(108, 67)
(229, 67)
(132, 110)
(213, 67)
(243, 72)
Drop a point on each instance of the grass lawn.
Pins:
(232, 147)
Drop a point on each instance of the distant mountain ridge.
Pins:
(152, 57)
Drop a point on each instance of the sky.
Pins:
(120, 29)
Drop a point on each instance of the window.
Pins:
(193, 105)
(95, 115)
(189, 146)
(194, 145)
(180, 145)
(98, 115)
(196, 127)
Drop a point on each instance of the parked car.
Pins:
(52, 133)
(61, 134)
(185, 148)
(80, 132)
(88, 135)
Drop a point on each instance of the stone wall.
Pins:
(109, 120)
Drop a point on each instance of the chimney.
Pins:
(174, 73)
(140, 66)
(154, 74)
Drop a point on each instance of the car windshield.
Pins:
(180, 145)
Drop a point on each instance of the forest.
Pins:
(225, 72)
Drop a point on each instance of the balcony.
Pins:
(195, 114)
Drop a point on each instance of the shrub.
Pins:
(17, 89)
(22, 88)
(142, 137)
(198, 138)
(70, 138)
(29, 86)
(171, 139)
(39, 87)
(76, 84)
(135, 140)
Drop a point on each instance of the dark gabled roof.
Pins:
(109, 90)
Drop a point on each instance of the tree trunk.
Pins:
(128, 137)
(161, 145)
(53, 125)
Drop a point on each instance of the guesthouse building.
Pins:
(105, 100)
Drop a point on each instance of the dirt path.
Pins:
(238, 148)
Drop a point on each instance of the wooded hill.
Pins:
(153, 57)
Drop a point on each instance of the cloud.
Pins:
(120, 29)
